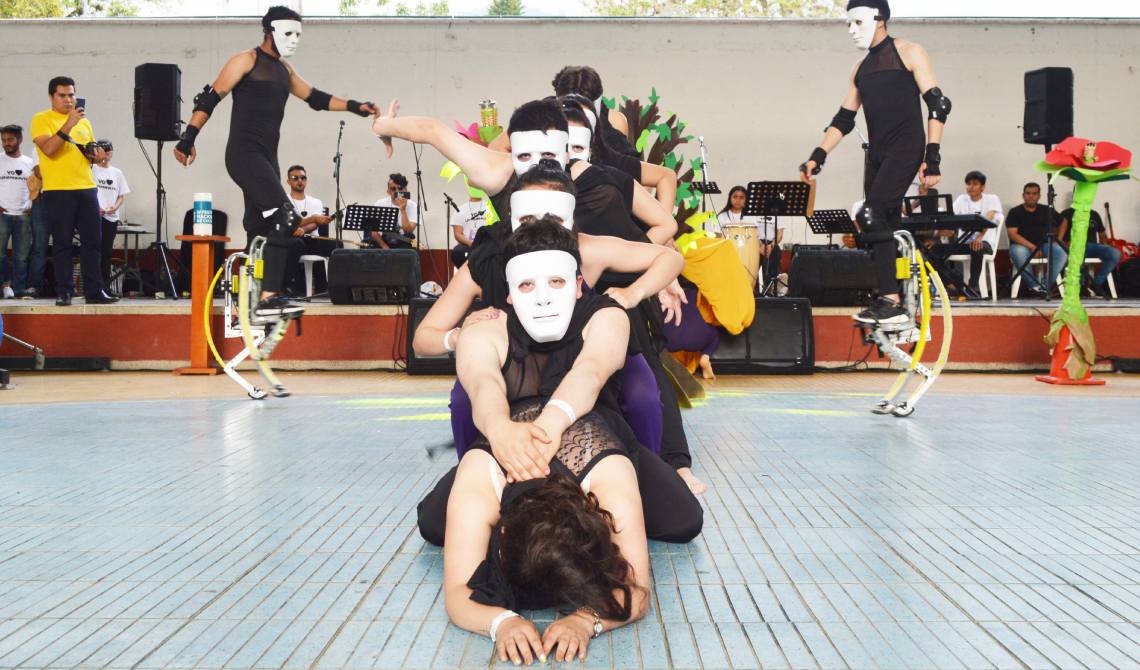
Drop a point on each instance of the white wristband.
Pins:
(565, 407)
(446, 337)
(503, 616)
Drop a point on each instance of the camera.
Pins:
(406, 195)
(91, 147)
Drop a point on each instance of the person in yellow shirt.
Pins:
(61, 135)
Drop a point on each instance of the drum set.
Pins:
(745, 237)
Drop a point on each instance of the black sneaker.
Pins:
(884, 311)
(28, 294)
(275, 307)
(1038, 292)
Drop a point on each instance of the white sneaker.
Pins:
(9, 293)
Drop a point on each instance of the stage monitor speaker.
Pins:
(158, 101)
(780, 341)
(830, 278)
(1048, 105)
(444, 364)
(374, 276)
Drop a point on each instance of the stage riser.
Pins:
(156, 336)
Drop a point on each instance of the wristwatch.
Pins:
(597, 622)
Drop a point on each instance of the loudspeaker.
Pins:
(158, 101)
(374, 276)
(780, 341)
(832, 278)
(1048, 105)
(443, 364)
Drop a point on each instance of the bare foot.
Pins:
(706, 368)
(695, 485)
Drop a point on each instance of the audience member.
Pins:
(398, 196)
(312, 213)
(15, 208)
(112, 187)
(62, 134)
(41, 233)
(978, 244)
(1095, 247)
(1027, 226)
(472, 215)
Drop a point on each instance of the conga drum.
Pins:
(744, 237)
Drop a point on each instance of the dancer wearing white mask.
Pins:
(261, 81)
(888, 83)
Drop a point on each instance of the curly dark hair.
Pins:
(546, 234)
(541, 115)
(557, 545)
(580, 79)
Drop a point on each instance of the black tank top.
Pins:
(259, 106)
(891, 99)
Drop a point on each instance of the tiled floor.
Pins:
(984, 531)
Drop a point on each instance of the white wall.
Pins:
(759, 91)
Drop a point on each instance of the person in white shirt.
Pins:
(472, 216)
(769, 229)
(978, 244)
(312, 213)
(15, 208)
(409, 213)
(112, 187)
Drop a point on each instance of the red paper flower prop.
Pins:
(1080, 153)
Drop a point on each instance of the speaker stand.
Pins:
(158, 247)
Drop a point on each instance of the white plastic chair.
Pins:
(988, 286)
(1035, 261)
(308, 261)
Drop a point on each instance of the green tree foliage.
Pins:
(31, 9)
(438, 8)
(718, 8)
(505, 8)
(51, 9)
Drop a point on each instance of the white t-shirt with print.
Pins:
(111, 184)
(14, 173)
(310, 206)
(986, 204)
(471, 216)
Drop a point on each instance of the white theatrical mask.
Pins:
(580, 143)
(537, 203)
(544, 289)
(286, 36)
(530, 146)
(861, 26)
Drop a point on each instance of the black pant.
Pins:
(110, 231)
(770, 264)
(459, 254)
(69, 212)
(672, 512)
(259, 179)
(887, 177)
(944, 251)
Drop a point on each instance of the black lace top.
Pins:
(259, 106)
(891, 99)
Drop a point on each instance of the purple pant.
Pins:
(694, 333)
(640, 404)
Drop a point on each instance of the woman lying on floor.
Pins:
(576, 537)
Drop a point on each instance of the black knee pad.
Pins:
(875, 229)
(284, 222)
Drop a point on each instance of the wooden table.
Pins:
(200, 276)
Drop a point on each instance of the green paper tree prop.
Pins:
(1088, 164)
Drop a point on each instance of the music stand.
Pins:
(831, 222)
(705, 187)
(771, 199)
(372, 219)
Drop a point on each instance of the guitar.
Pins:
(1127, 249)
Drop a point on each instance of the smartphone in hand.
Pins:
(81, 102)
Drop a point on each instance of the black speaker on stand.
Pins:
(158, 117)
(1048, 121)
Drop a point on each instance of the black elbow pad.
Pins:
(207, 100)
(844, 120)
(319, 100)
(937, 104)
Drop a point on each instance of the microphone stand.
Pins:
(336, 176)
(421, 207)
(447, 231)
(704, 176)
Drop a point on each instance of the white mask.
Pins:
(580, 137)
(544, 310)
(862, 34)
(535, 145)
(538, 203)
(286, 35)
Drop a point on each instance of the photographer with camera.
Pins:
(398, 196)
(67, 148)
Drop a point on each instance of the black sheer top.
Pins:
(259, 106)
(891, 99)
